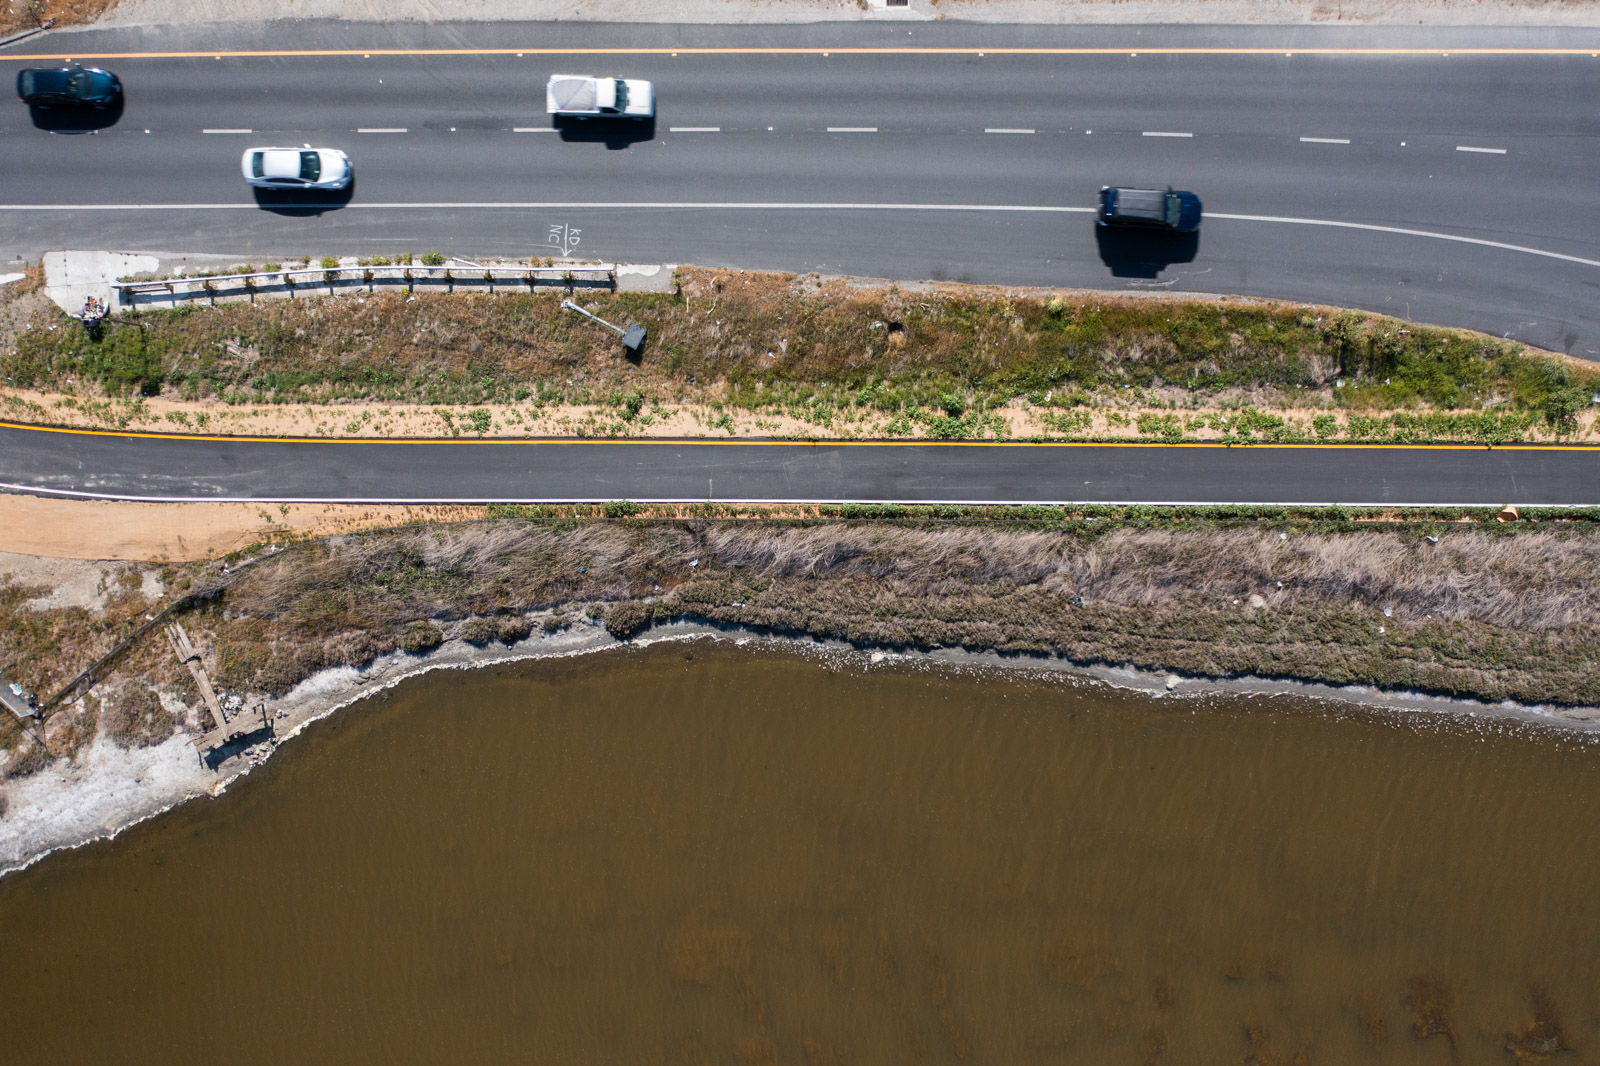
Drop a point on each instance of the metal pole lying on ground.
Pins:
(632, 337)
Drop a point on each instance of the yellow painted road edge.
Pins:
(745, 442)
(368, 53)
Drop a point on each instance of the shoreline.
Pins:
(105, 790)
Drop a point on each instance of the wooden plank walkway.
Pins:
(241, 723)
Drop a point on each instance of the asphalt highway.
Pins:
(1455, 189)
(167, 468)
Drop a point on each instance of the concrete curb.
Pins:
(23, 36)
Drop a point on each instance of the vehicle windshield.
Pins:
(256, 166)
(622, 95)
(310, 166)
(1174, 209)
(78, 84)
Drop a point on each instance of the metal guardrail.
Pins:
(368, 276)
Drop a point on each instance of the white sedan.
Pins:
(297, 168)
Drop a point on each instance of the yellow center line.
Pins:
(829, 443)
(1137, 50)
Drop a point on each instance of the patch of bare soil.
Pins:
(19, 15)
(175, 532)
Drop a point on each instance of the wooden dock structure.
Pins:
(242, 722)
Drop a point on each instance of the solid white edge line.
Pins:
(1411, 233)
(1160, 133)
(227, 131)
(998, 130)
(469, 500)
(533, 129)
(1324, 140)
(852, 129)
(383, 129)
(1485, 151)
(694, 129)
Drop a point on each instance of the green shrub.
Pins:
(380, 261)
(480, 631)
(420, 638)
(432, 259)
(1325, 426)
(513, 630)
(329, 262)
(627, 619)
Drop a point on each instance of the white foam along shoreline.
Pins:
(106, 789)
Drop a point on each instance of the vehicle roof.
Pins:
(1142, 203)
(280, 162)
(573, 92)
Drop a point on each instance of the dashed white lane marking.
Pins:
(1163, 133)
(852, 129)
(533, 129)
(1324, 140)
(382, 129)
(1000, 130)
(227, 131)
(695, 129)
(1485, 151)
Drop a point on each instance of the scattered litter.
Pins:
(1431, 539)
(694, 562)
(1388, 612)
(1380, 629)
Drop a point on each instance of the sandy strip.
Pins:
(182, 532)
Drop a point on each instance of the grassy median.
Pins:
(784, 355)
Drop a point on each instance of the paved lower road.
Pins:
(1387, 168)
(119, 466)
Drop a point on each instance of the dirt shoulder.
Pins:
(1238, 12)
(182, 532)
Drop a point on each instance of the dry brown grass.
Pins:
(1476, 614)
(1480, 614)
(19, 15)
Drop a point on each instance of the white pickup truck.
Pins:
(583, 96)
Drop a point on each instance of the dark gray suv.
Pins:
(1165, 209)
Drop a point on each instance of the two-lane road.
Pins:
(168, 468)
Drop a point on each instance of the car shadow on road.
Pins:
(307, 203)
(75, 119)
(1143, 253)
(614, 133)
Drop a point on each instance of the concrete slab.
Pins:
(639, 278)
(70, 278)
(7, 279)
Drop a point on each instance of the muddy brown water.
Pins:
(704, 854)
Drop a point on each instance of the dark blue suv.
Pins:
(68, 87)
(1165, 209)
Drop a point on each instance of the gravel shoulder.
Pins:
(1510, 13)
